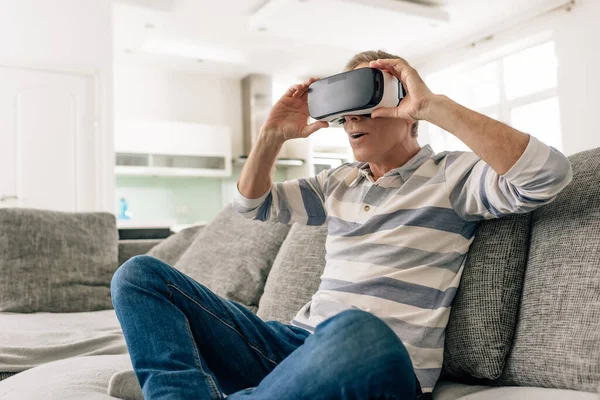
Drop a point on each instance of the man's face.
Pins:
(378, 137)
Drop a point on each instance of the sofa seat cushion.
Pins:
(557, 339)
(53, 261)
(28, 340)
(70, 379)
(445, 390)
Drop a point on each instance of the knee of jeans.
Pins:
(361, 327)
(133, 271)
(374, 344)
(358, 321)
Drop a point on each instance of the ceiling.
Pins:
(299, 37)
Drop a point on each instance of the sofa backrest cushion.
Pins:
(557, 340)
(172, 248)
(233, 256)
(484, 314)
(295, 275)
(55, 261)
(129, 248)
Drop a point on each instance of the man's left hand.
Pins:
(414, 106)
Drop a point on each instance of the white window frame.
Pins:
(504, 107)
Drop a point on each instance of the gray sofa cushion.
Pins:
(295, 275)
(75, 378)
(172, 248)
(233, 255)
(56, 262)
(134, 247)
(457, 391)
(557, 340)
(28, 340)
(483, 317)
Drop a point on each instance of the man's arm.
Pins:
(499, 145)
(298, 200)
(255, 179)
(509, 172)
(523, 172)
(477, 191)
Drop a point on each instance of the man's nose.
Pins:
(353, 118)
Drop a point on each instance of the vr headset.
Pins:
(356, 92)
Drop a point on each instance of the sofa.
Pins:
(525, 322)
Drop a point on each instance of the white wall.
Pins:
(153, 93)
(578, 51)
(73, 35)
(575, 34)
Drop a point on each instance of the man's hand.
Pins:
(288, 118)
(414, 106)
(497, 144)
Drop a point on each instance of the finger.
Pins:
(292, 89)
(391, 63)
(309, 81)
(305, 93)
(315, 126)
(399, 68)
(306, 84)
(302, 91)
(392, 112)
(385, 112)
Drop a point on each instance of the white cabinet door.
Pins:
(47, 140)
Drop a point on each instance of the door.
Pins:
(47, 140)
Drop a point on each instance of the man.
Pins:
(400, 222)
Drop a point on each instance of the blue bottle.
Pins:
(123, 209)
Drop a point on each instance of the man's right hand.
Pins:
(288, 118)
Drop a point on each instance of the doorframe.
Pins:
(102, 125)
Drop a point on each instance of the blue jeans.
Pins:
(186, 342)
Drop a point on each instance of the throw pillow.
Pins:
(232, 256)
(56, 262)
(484, 313)
(295, 275)
(557, 340)
(172, 248)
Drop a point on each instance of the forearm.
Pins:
(499, 145)
(255, 179)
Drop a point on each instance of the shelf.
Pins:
(171, 172)
(280, 162)
(172, 148)
(340, 156)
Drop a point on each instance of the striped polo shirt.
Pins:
(396, 246)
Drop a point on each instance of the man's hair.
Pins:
(373, 55)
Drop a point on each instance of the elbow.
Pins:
(551, 179)
(559, 175)
(243, 211)
(560, 169)
(257, 209)
(568, 176)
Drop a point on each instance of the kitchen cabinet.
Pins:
(172, 148)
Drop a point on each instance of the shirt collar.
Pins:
(405, 171)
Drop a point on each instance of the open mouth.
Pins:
(356, 135)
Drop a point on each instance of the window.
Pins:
(518, 89)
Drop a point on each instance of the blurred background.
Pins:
(147, 108)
